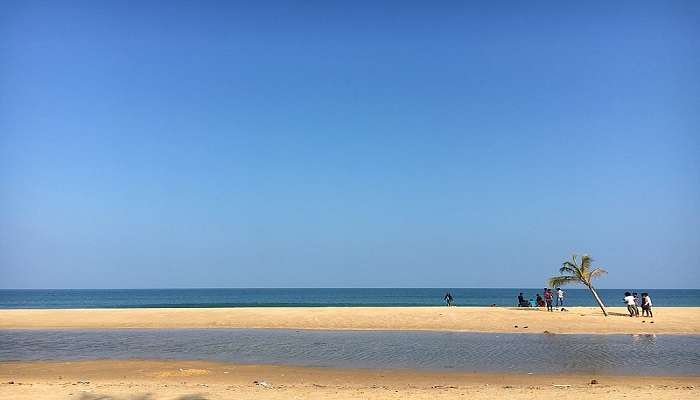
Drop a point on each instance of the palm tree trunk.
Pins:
(597, 298)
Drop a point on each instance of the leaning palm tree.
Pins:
(583, 273)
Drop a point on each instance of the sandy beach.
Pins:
(669, 320)
(197, 380)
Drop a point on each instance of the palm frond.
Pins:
(586, 261)
(567, 270)
(597, 272)
(557, 281)
(570, 267)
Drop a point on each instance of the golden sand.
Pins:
(669, 320)
(153, 380)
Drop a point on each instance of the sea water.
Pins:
(375, 297)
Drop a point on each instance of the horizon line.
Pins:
(338, 287)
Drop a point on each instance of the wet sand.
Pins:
(667, 320)
(196, 380)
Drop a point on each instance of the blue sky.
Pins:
(347, 144)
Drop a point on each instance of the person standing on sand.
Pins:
(629, 301)
(637, 303)
(560, 297)
(646, 305)
(448, 298)
(548, 299)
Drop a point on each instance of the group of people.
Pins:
(634, 302)
(549, 299)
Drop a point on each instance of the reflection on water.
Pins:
(620, 354)
(644, 340)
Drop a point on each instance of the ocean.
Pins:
(355, 297)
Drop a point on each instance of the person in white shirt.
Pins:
(629, 300)
(560, 297)
(646, 305)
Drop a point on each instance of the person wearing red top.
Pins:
(540, 301)
(548, 299)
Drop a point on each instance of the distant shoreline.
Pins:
(577, 320)
(316, 297)
(294, 305)
(263, 306)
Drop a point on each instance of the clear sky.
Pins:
(347, 144)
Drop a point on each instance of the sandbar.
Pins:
(577, 320)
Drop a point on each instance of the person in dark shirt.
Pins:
(448, 299)
(637, 303)
(522, 302)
